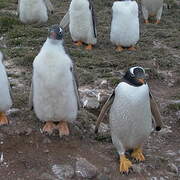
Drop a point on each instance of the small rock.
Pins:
(170, 153)
(178, 159)
(46, 151)
(63, 171)
(153, 178)
(85, 169)
(103, 84)
(161, 178)
(172, 168)
(178, 115)
(28, 131)
(91, 103)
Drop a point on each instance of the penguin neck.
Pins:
(55, 43)
(130, 82)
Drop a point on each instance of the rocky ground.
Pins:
(26, 153)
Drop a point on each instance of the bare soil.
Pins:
(27, 153)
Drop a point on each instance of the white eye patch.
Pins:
(132, 69)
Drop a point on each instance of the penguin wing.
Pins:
(76, 85)
(91, 7)
(155, 112)
(65, 21)
(49, 5)
(31, 97)
(104, 110)
(10, 90)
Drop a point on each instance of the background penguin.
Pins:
(34, 11)
(152, 8)
(5, 96)
(131, 105)
(82, 22)
(125, 24)
(54, 93)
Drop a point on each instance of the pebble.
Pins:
(63, 171)
(137, 168)
(172, 168)
(170, 153)
(103, 177)
(46, 176)
(91, 103)
(85, 169)
(46, 140)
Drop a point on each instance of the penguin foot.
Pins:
(3, 119)
(78, 43)
(146, 21)
(125, 164)
(63, 128)
(132, 48)
(49, 127)
(137, 155)
(157, 21)
(88, 47)
(119, 49)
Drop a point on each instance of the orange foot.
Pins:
(89, 47)
(49, 127)
(157, 22)
(119, 49)
(137, 154)
(146, 21)
(3, 119)
(132, 48)
(125, 164)
(63, 128)
(78, 43)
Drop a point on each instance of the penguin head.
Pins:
(136, 76)
(56, 33)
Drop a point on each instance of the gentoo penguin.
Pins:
(82, 23)
(34, 11)
(124, 25)
(152, 8)
(54, 92)
(5, 93)
(131, 109)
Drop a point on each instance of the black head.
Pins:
(135, 76)
(56, 33)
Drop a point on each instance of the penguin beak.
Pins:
(53, 35)
(142, 81)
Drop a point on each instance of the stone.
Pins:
(63, 171)
(170, 153)
(91, 103)
(85, 169)
(46, 140)
(46, 176)
(137, 168)
(103, 177)
(172, 168)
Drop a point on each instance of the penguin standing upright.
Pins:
(152, 8)
(131, 108)
(82, 23)
(5, 96)
(54, 93)
(124, 25)
(34, 11)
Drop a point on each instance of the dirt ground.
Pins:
(26, 153)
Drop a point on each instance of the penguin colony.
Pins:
(54, 95)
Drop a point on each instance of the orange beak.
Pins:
(142, 81)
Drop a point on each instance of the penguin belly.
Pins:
(54, 98)
(5, 98)
(152, 6)
(81, 25)
(32, 11)
(125, 24)
(130, 116)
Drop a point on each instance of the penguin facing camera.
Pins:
(131, 108)
(34, 11)
(82, 23)
(54, 90)
(125, 25)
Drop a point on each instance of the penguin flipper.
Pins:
(91, 7)
(155, 112)
(104, 110)
(76, 85)
(31, 97)
(10, 90)
(49, 5)
(65, 21)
